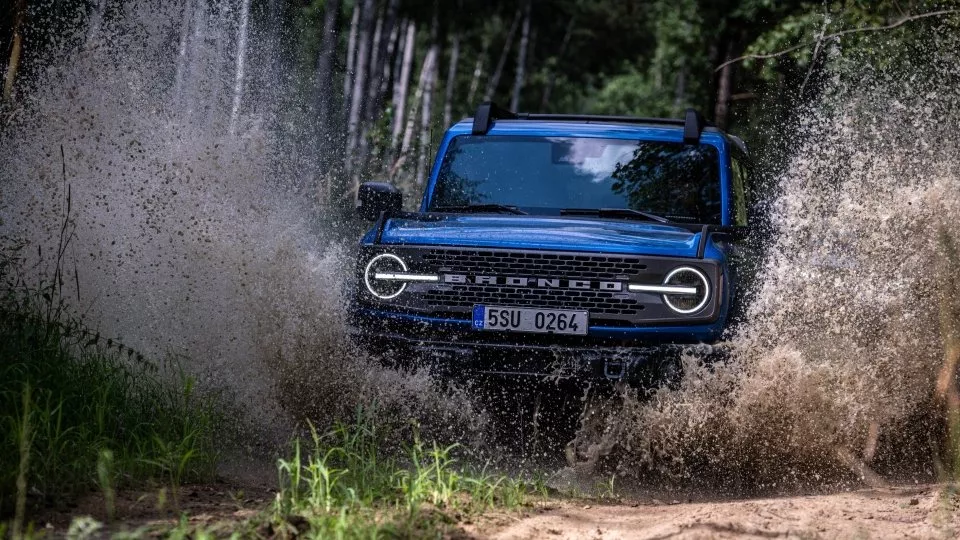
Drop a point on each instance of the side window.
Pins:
(741, 192)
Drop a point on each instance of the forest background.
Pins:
(363, 89)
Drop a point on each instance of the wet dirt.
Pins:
(927, 511)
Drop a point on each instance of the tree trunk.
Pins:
(373, 73)
(381, 59)
(241, 64)
(521, 57)
(325, 72)
(495, 79)
(351, 55)
(425, 72)
(391, 59)
(680, 96)
(359, 81)
(478, 72)
(401, 89)
(722, 110)
(379, 71)
(552, 78)
(16, 49)
(451, 81)
(326, 182)
(426, 114)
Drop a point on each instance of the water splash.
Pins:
(191, 241)
(833, 374)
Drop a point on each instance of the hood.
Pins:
(547, 233)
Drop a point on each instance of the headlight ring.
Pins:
(382, 289)
(689, 277)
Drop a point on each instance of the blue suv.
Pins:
(557, 245)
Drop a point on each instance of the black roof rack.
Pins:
(693, 122)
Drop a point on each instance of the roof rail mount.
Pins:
(487, 112)
(693, 122)
(692, 127)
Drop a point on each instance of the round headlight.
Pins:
(684, 303)
(385, 263)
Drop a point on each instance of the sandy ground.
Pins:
(923, 512)
(916, 512)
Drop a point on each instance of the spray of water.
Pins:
(193, 237)
(832, 376)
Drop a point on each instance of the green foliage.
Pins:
(81, 411)
(342, 486)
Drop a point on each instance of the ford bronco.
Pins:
(557, 244)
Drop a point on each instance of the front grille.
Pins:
(533, 264)
(554, 265)
(596, 302)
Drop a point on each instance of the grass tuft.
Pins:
(341, 486)
(78, 412)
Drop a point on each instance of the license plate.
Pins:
(542, 321)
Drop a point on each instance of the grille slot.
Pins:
(555, 265)
(544, 265)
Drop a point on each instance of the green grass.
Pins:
(83, 412)
(339, 485)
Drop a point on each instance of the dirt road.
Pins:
(905, 512)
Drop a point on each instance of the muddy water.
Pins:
(832, 375)
(190, 243)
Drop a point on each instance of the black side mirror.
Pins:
(376, 197)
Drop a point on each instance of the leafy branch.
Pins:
(841, 33)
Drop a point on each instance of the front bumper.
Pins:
(453, 346)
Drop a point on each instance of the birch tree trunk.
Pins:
(451, 80)
(373, 75)
(16, 49)
(359, 81)
(521, 57)
(379, 73)
(371, 108)
(388, 71)
(241, 64)
(425, 71)
(478, 72)
(351, 56)
(498, 72)
(380, 62)
(401, 89)
(426, 114)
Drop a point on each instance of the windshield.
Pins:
(547, 174)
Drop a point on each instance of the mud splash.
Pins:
(189, 241)
(832, 376)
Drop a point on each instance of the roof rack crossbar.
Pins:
(693, 122)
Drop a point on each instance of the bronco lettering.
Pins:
(514, 281)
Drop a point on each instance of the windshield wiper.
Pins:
(614, 213)
(501, 208)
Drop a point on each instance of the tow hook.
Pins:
(614, 370)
